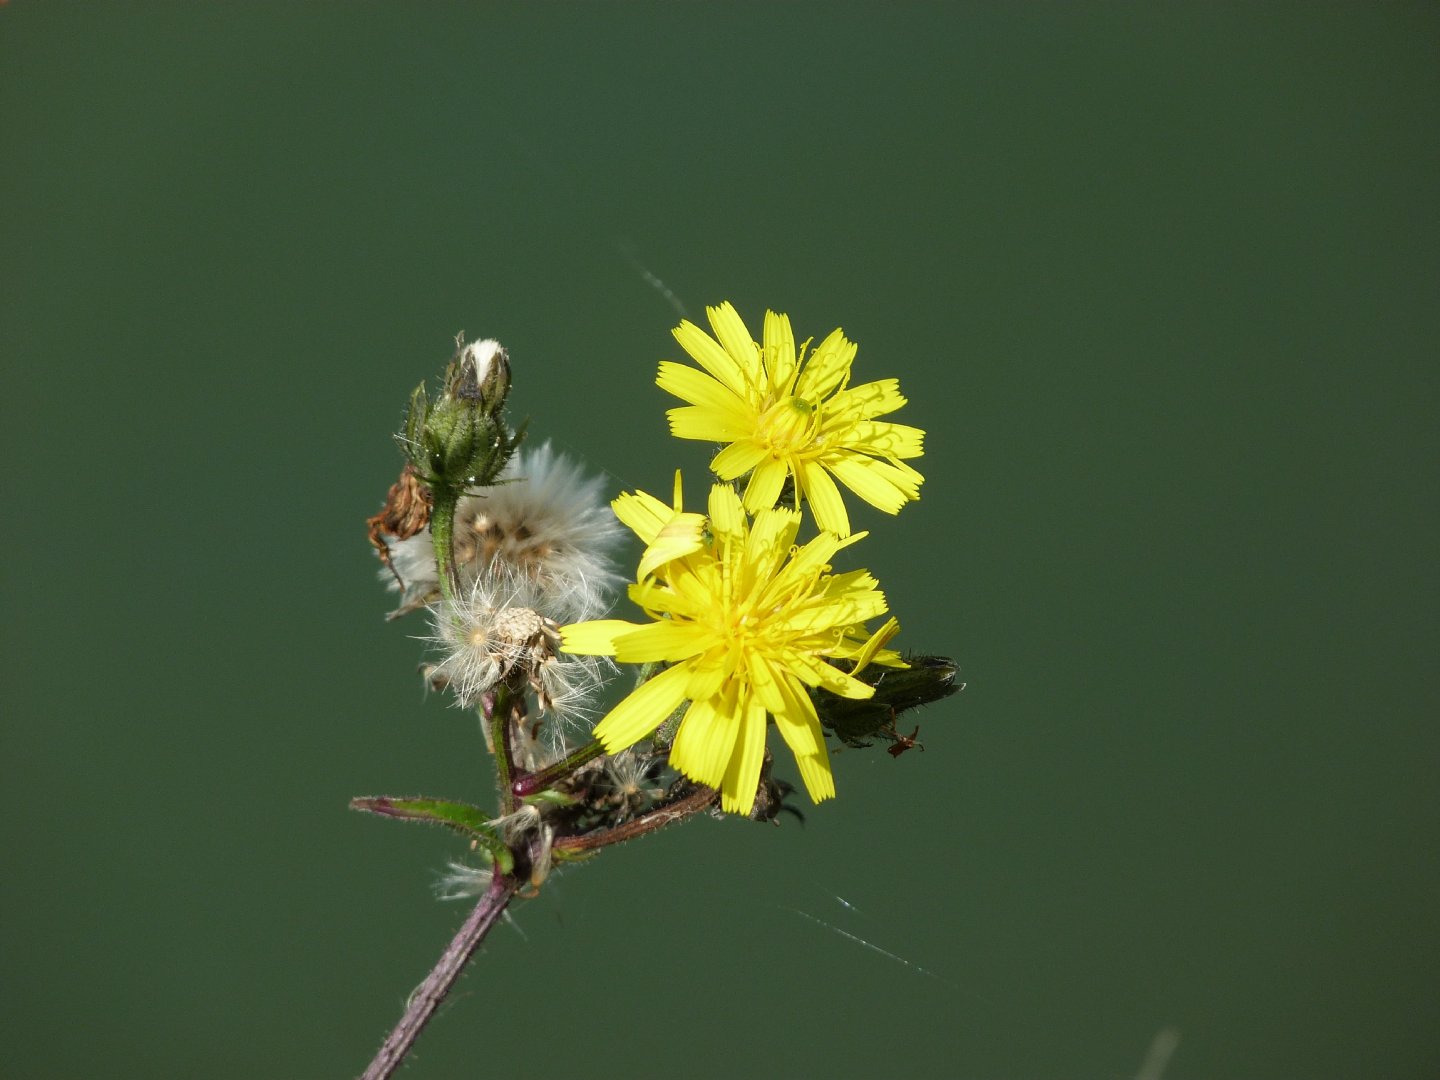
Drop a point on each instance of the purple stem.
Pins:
(430, 993)
(658, 818)
(533, 782)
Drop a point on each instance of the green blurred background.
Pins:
(1161, 283)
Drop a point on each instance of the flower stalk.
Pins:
(499, 714)
(547, 777)
(697, 799)
(430, 993)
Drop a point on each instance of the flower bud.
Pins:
(854, 721)
(460, 440)
(480, 376)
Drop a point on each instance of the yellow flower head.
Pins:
(786, 415)
(746, 621)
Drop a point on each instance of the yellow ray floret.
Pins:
(784, 415)
(747, 623)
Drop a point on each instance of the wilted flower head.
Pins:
(786, 415)
(544, 519)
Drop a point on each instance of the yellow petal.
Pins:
(644, 710)
(704, 742)
(823, 617)
(734, 335)
(742, 775)
(700, 388)
(816, 554)
(771, 536)
(824, 499)
(779, 349)
(766, 483)
(668, 639)
(707, 425)
(799, 726)
(852, 581)
(727, 516)
(594, 638)
(656, 596)
(878, 483)
(815, 772)
(884, 439)
(644, 514)
(815, 672)
(737, 459)
(827, 367)
(764, 682)
(707, 678)
(877, 640)
(867, 400)
(708, 353)
(682, 535)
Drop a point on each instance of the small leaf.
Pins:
(470, 821)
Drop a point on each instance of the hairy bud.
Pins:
(855, 721)
(460, 440)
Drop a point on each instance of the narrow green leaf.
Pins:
(470, 821)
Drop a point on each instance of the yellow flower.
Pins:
(746, 622)
(786, 415)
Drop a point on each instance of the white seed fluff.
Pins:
(544, 519)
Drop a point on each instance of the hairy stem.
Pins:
(442, 530)
(698, 799)
(498, 709)
(430, 993)
(538, 781)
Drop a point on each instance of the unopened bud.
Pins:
(856, 721)
(480, 376)
(460, 440)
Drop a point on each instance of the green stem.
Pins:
(538, 781)
(442, 532)
(499, 707)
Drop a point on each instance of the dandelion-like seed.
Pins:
(497, 630)
(544, 519)
(786, 415)
(627, 782)
(461, 881)
(747, 623)
(549, 521)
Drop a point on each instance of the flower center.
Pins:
(789, 427)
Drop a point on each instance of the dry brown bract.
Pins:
(405, 513)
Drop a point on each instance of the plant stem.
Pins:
(442, 530)
(430, 993)
(658, 818)
(538, 781)
(500, 708)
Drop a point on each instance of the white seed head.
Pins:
(496, 630)
(545, 519)
(628, 782)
